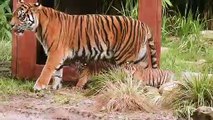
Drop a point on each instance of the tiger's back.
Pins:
(117, 39)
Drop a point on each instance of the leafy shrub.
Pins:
(5, 34)
(5, 14)
(6, 50)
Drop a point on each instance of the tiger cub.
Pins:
(149, 76)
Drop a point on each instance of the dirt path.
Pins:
(33, 107)
(54, 106)
(64, 104)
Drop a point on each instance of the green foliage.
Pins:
(107, 4)
(187, 30)
(5, 14)
(166, 4)
(180, 59)
(10, 86)
(186, 48)
(181, 26)
(6, 50)
(130, 8)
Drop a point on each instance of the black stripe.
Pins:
(57, 76)
(149, 77)
(115, 31)
(104, 30)
(45, 34)
(88, 43)
(123, 33)
(45, 13)
(130, 49)
(59, 68)
(96, 52)
(60, 30)
(97, 42)
(107, 21)
(80, 34)
(153, 77)
(119, 21)
(24, 6)
(128, 45)
(51, 13)
(129, 40)
(50, 46)
(164, 76)
(83, 52)
(76, 20)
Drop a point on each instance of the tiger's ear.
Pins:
(20, 1)
(37, 5)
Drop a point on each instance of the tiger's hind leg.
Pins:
(84, 77)
(57, 78)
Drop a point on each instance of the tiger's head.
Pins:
(25, 17)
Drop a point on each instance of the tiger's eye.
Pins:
(22, 17)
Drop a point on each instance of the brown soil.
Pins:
(64, 104)
(52, 106)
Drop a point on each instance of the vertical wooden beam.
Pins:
(14, 47)
(26, 55)
(150, 13)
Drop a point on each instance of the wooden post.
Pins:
(24, 52)
(150, 13)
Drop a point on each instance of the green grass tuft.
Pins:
(6, 50)
(123, 93)
(179, 56)
(190, 95)
(10, 86)
(98, 82)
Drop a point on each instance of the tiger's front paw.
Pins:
(39, 86)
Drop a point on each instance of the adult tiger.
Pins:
(116, 39)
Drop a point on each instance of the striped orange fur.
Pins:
(150, 76)
(115, 39)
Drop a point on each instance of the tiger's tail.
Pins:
(153, 53)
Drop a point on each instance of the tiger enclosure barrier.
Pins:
(27, 54)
